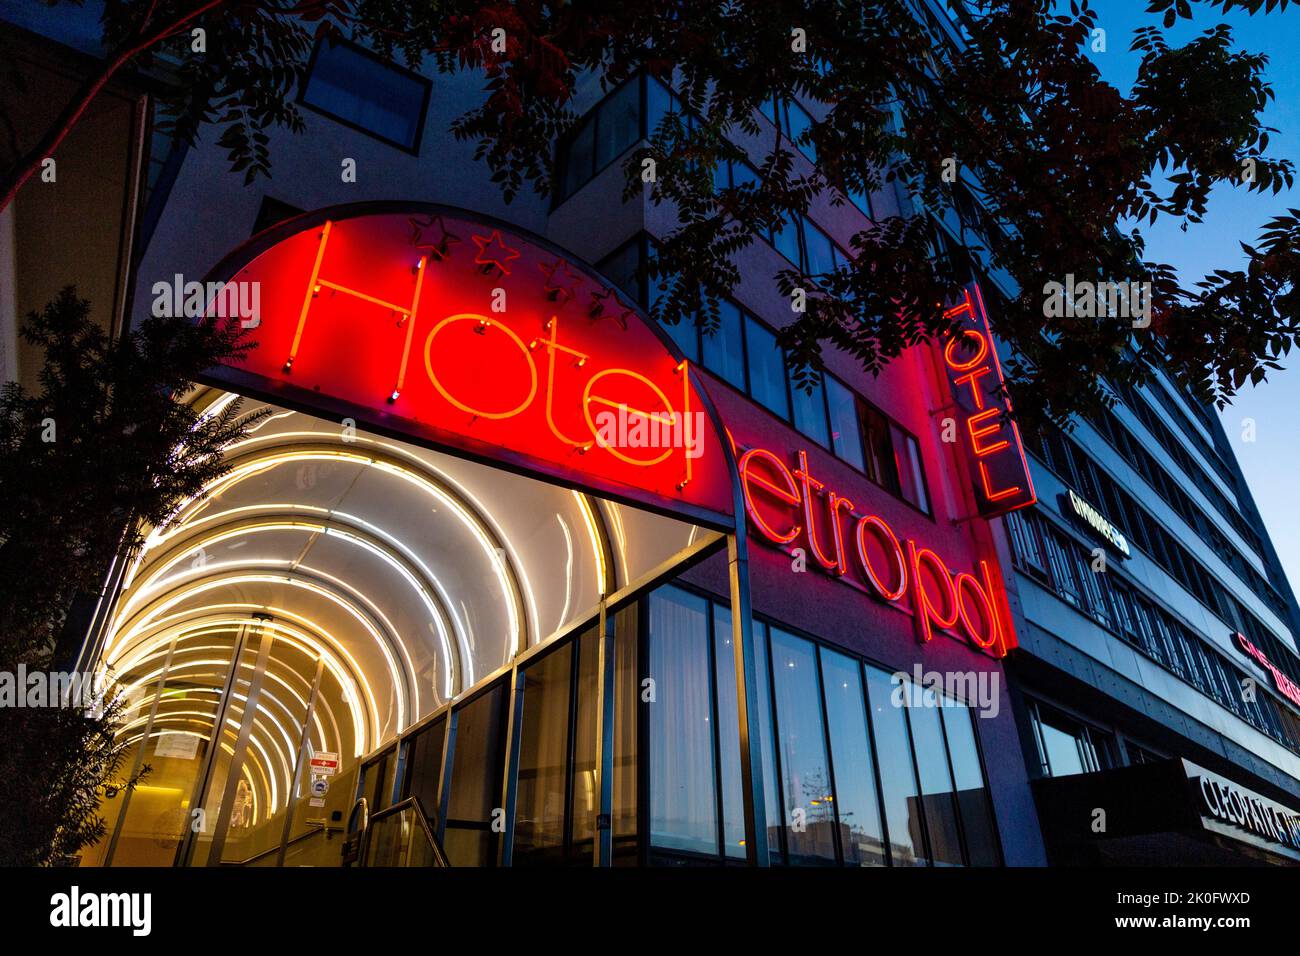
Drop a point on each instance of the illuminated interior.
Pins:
(402, 575)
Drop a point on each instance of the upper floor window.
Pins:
(359, 89)
(795, 122)
(744, 352)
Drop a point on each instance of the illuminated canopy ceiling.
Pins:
(411, 573)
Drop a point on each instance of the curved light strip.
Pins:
(199, 587)
(568, 571)
(502, 572)
(150, 582)
(482, 513)
(593, 532)
(223, 664)
(277, 509)
(202, 631)
(350, 677)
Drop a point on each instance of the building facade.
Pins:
(435, 613)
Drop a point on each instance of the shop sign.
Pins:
(1285, 685)
(1085, 514)
(1000, 477)
(1231, 810)
(791, 508)
(435, 325)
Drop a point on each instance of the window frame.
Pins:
(427, 84)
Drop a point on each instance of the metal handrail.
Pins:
(410, 803)
(317, 828)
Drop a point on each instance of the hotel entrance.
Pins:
(290, 646)
(405, 626)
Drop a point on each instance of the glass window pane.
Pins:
(972, 793)
(577, 159)
(1063, 753)
(724, 352)
(543, 760)
(683, 811)
(856, 805)
(936, 779)
(659, 103)
(767, 741)
(584, 748)
(627, 697)
(881, 466)
(786, 241)
(800, 123)
(478, 763)
(742, 174)
(821, 251)
(767, 375)
(352, 86)
(810, 805)
(911, 474)
(424, 765)
(845, 436)
(733, 807)
(810, 412)
(897, 775)
(619, 126)
(620, 267)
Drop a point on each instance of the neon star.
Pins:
(497, 259)
(597, 309)
(437, 244)
(556, 289)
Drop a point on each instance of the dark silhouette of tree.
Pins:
(1002, 123)
(104, 449)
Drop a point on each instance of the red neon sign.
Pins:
(790, 507)
(438, 326)
(1285, 685)
(999, 472)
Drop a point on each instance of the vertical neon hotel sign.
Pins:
(995, 455)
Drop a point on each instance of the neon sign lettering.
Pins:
(789, 506)
(487, 343)
(1000, 473)
(1285, 685)
(1095, 520)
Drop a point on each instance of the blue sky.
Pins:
(1272, 462)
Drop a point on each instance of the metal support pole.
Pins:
(510, 781)
(748, 704)
(603, 845)
(241, 747)
(300, 761)
(186, 848)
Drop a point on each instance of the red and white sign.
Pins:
(999, 472)
(1285, 685)
(324, 764)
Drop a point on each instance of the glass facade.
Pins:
(842, 741)
(860, 768)
(1053, 557)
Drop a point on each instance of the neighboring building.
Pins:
(419, 589)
